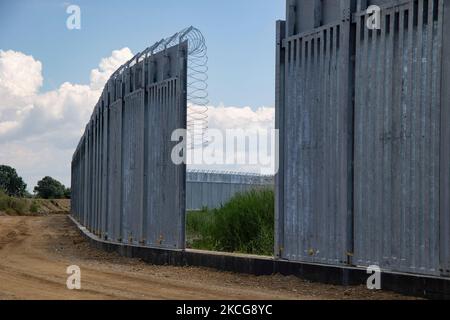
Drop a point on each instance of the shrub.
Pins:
(67, 193)
(34, 207)
(11, 183)
(49, 188)
(4, 200)
(245, 224)
(18, 205)
(12, 205)
(10, 211)
(198, 229)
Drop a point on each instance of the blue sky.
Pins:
(240, 36)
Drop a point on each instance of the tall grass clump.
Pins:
(12, 205)
(198, 229)
(34, 207)
(245, 224)
(18, 206)
(4, 200)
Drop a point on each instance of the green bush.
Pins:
(18, 205)
(198, 229)
(12, 205)
(34, 207)
(49, 188)
(4, 200)
(10, 211)
(245, 224)
(11, 183)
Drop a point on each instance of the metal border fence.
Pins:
(364, 135)
(212, 189)
(125, 187)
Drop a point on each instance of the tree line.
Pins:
(47, 188)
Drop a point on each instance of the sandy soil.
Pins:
(35, 252)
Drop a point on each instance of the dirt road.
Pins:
(35, 252)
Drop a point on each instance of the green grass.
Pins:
(245, 225)
(12, 205)
(4, 201)
(34, 207)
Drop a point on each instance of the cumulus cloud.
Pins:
(40, 130)
(20, 80)
(16, 81)
(107, 66)
(236, 118)
(240, 139)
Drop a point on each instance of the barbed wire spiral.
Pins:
(197, 95)
(197, 80)
(197, 83)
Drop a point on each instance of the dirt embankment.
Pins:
(32, 207)
(36, 251)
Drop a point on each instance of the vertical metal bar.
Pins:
(290, 26)
(320, 140)
(417, 107)
(428, 134)
(318, 14)
(325, 105)
(409, 139)
(386, 65)
(402, 138)
(146, 151)
(279, 125)
(346, 112)
(296, 81)
(444, 202)
(357, 168)
(182, 112)
(364, 110)
(361, 5)
(119, 153)
(431, 263)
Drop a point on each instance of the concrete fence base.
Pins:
(408, 284)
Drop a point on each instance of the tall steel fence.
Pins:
(210, 189)
(397, 138)
(364, 135)
(125, 186)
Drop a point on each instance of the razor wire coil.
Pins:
(197, 80)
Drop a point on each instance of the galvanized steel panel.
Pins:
(125, 186)
(400, 219)
(165, 196)
(105, 168)
(397, 138)
(114, 232)
(133, 167)
(315, 130)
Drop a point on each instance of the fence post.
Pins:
(279, 125)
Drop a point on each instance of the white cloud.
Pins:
(236, 118)
(39, 130)
(107, 66)
(246, 132)
(20, 75)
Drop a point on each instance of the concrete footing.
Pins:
(408, 284)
